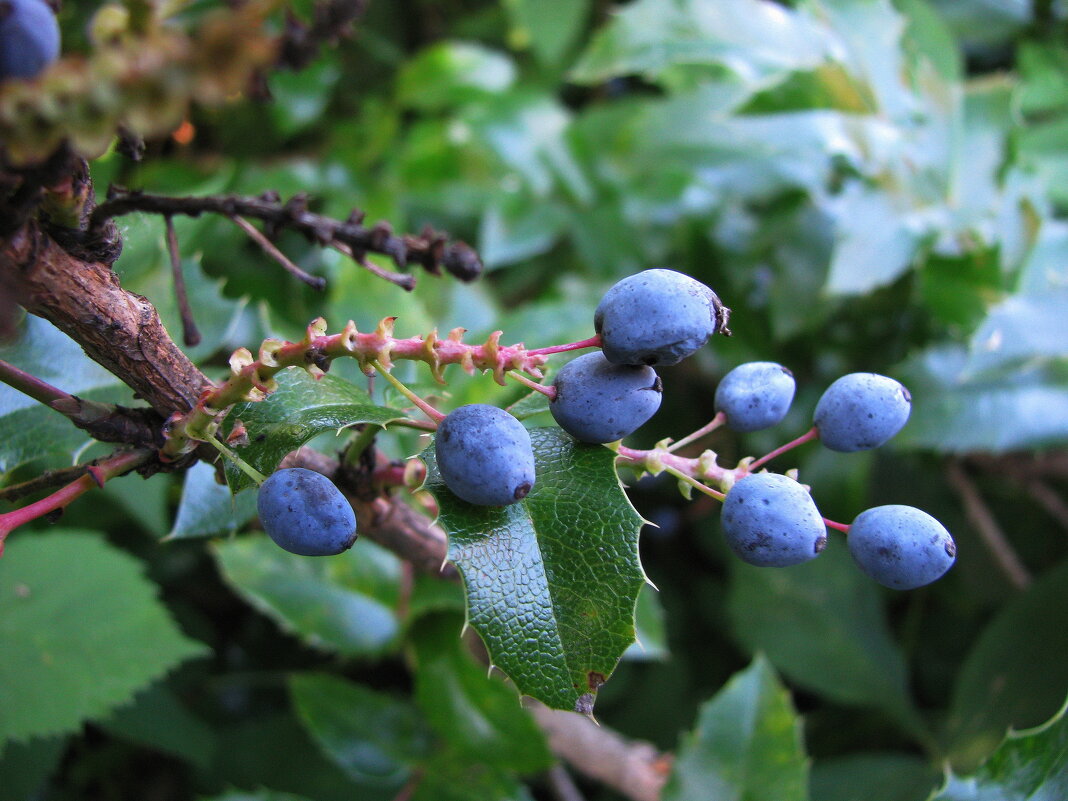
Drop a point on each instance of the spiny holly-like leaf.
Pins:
(81, 629)
(746, 745)
(1030, 765)
(553, 579)
(301, 408)
(345, 603)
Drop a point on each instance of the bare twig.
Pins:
(562, 785)
(190, 332)
(429, 249)
(1050, 500)
(332, 20)
(45, 481)
(314, 281)
(980, 516)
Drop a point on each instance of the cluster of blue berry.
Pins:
(29, 38)
(659, 317)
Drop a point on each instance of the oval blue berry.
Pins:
(597, 401)
(770, 520)
(484, 455)
(755, 395)
(305, 513)
(29, 38)
(861, 411)
(901, 547)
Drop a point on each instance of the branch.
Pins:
(332, 20)
(430, 249)
(980, 516)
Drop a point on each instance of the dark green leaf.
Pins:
(345, 603)
(449, 779)
(52, 636)
(300, 409)
(746, 745)
(25, 767)
(477, 715)
(158, 719)
(822, 624)
(374, 738)
(873, 777)
(207, 507)
(552, 580)
(1015, 675)
(1030, 765)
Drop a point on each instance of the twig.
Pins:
(562, 785)
(980, 516)
(403, 280)
(429, 249)
(34, 387)
(190, 332)
(1049, 500)
(635, 769)
(332, 20)
(45, 481)
(314, 281)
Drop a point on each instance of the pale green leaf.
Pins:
(207, 507)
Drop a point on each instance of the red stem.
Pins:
(27, 384)
(839, 526)
(811, 434)
(97, 475)
(592, 342)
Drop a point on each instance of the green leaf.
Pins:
(478, 716)
(746, 745)
(25, 767)
(82, 632)
(258, 795)
(822, 624)
(299, 99)
(758, 39)
(29, 430)
(953, 412)
(550, 36)
(374, 738)
(1029, 765)
(344, 603)
(552, 580)
(159, 720)
(517, 228)
(873, 777)
(1015, 675)
(300, 409)
(207, 508)
(449, 779)
(451, 73)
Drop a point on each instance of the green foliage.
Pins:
(870, 185)
(66, 660)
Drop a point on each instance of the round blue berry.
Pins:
(755, 395)
(484, 455)
(901, 547)
(304, 513)
(29, 38)
(597, 401)
(860, 411)
(657, 317)
(771, 521)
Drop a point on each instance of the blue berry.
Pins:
(901, 547)
(755, 395)
(771, 521)
(29, 38)
(657, 317)
(304, 513)
(484, 455)
(860, 411)
(597, 401)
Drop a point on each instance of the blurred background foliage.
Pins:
(870, 185)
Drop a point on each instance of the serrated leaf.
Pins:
(1015, 675)
(746, 745)
(300, 409)
(822, 624)
(68, 601)
(374, 738)
(1029, 765)
(478, 716)
(551, 580)
(207, 507)
(344, 603)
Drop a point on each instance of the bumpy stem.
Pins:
(95, 477)
(703, 468)
(693, 482)
(252, 379)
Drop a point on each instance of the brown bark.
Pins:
(118, 329)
